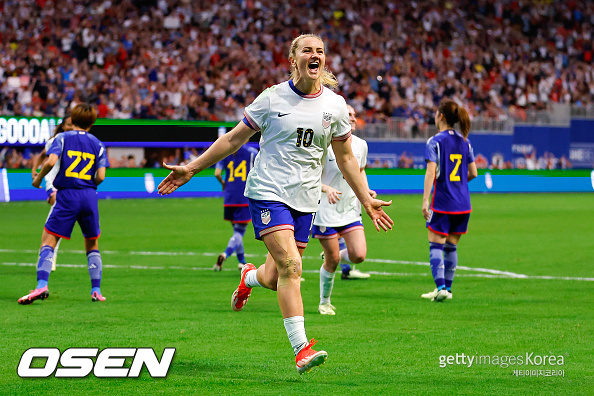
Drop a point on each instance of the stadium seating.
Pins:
(206, 60)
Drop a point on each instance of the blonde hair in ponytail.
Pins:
(327, 77)
(455, 114)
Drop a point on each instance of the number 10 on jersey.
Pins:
(306, 137)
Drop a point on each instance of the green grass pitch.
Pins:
(523, 289)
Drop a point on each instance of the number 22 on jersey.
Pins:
(457, 159)
(240, 172)
(78, 157)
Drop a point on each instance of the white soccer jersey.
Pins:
(296, 132)
(51, 175)
(348, 209)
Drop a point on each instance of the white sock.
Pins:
(295, 326)
(344, 257)
(251, 279)
(326, 284)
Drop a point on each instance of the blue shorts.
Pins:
(322, 232)
(445, 224)
(237, 214)
(74, 205)
(271, 216)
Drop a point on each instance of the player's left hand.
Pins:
(179, 176)
(376, 213)
(373, 194)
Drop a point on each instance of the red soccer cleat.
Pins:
(307, 358)
(37, 294)
(242, 293)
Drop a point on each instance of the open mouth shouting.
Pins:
(314, 66)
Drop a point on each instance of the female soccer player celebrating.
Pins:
(298, 120)
(450, 166)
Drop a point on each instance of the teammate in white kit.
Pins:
(339, 215)
(298, 120)
(66, 125)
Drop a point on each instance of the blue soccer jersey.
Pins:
(81, 154)
(237, 166)
(452, 154)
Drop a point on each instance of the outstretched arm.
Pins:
(429, 179)
(349, 167)
(225, 145)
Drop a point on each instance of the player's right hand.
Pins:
(179, 176)
(376, 213)
(37, 182)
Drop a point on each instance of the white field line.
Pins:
(483, 272)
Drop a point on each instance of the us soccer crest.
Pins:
(326, 120)
(265, 216)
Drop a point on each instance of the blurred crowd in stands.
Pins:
(206, 60)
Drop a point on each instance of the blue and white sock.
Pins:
(450, 259)
(236, 242)
(437, 265)
(240, 230)
(95, 270)
(44, 265)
